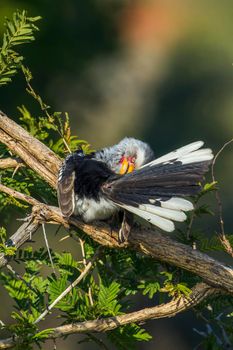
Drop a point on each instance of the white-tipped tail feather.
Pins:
(176, 215)
(177, 203)
(164, 224)
(187, 154)
(154, 191)
(160, 216)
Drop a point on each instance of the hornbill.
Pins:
(127, 177)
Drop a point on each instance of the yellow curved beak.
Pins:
(131, 167)
(126, 167)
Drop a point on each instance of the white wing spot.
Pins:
(152, 201)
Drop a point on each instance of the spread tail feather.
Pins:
(154, 192)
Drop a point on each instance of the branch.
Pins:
(200, 292)
(34, 153)
(222, 236)
(150, 242)
(6, 163)
(21, 196)
(23, 233)
(143, 240)
(82, 243)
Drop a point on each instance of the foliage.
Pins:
(20, 30)
(56, 122)
(117, 275)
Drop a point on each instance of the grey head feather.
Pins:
(128, 147)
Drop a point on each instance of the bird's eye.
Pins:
(131, 160)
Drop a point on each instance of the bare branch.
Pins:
(19, 237)
(6, 163)
(200, 292)
(223, 238)
(48, 249)
(170, 309)
(21, 196)
(82, 243)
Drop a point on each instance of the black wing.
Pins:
(155, 191)
(65, 187)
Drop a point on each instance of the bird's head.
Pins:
(129, 154)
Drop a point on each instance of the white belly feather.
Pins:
(90, 209)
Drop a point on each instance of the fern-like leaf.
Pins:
(19, 31)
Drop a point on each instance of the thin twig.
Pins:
(223, 238)
(44, 107)
(82, 242)
(190, 225)
(21, 196)
(7, 163)
(90, 296)
(48, 249)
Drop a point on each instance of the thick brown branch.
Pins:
(200, 292)
(172, 308)
(34, 153)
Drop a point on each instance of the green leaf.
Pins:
(107, 298)
(43, 334)
(19, 31)
(8, 251)
(210, 186)
(149, 288)
(2, 234)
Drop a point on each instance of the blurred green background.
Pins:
(157, 70)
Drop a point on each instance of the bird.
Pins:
(128, 178)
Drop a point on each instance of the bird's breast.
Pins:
(92, 209)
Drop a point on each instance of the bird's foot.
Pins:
(125, 229)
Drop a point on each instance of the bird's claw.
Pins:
(125, 229)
